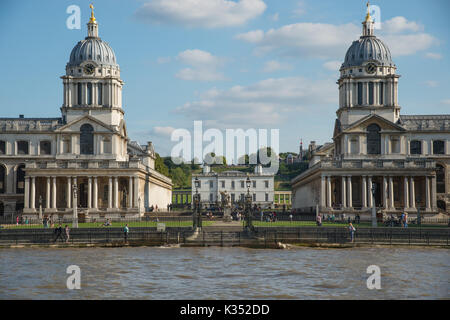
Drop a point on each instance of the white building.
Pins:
(233, 182)
(41, 159)
(407, 157)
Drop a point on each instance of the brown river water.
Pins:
(224, 273)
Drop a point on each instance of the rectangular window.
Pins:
(232, 197)
(99, 93)
(22, 147)
(211, 197)
(360, 92)
(254, 184)
(266, 184)
(438, 147)
(242, 184)
(242, 197)
(2, 147)
(45, 147)
(232, 184)
(395, 145)
(267, 197)
(415, 147)
(223, 184)
(381, 93)
(80, 86)
(371, 93)
(211, 184)
(254, 197)
(89, 93)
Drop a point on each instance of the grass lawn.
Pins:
(330, 224)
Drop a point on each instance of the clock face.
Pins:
(89, 69)
(371, 68)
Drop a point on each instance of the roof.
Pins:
(425, 122)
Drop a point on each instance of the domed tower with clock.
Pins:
(368, 83)
(92, 83)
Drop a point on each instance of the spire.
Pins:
(368, 23)
(92, 24)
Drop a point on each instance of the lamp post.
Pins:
(196, 216)
(248, 206)
(40, 207)
(75, 206)
(418, 209)
(374, 212)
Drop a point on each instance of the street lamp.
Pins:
(248, 206)
(196, 216)
(418, 209)
(374, 213)
(75, 206)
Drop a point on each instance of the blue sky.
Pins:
(233, 64)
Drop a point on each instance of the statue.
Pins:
(226, 206)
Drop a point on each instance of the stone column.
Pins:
(54, 193)
(427, 193)
(343, 193)
(412, 193)
(391, 192)
(68, 193)
(95, 193)
(130, 192)
(369, 192)
(33, 192)
(406, 192)
(364, 192)
(329, 204)
(385, 192)
(110, 193)
(349, 191)
(116, 193)
(89, 202)
(136, 192)
(27, 193)
(433, 193)
(322, 191)
(47, 194)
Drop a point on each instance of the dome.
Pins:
(368, 48)
(92, 49)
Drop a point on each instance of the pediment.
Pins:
(383, 123)
(74, 126)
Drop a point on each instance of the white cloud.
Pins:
(327, 41)
(432, 55)
(431, 83)
(300, 8)
(201, 13)
(163, 131)
(306, 39)
(334, 65)
(273, 65)
(267, 102)
(446, 101)
(400, 24)
(203, 66)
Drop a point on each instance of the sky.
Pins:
(261, 64)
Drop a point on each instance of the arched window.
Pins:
(86, 139)
(89, 93)
(440, 179)
(373, 139)
(20, 183)
(2, 179)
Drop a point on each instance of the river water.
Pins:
(224, 273)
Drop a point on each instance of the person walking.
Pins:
(405, 220)
(319, 220)
(58, 233)
(67, 230)
(125, 232)
(351, 230)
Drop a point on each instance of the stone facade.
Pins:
(42, 159)
(405, 158)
